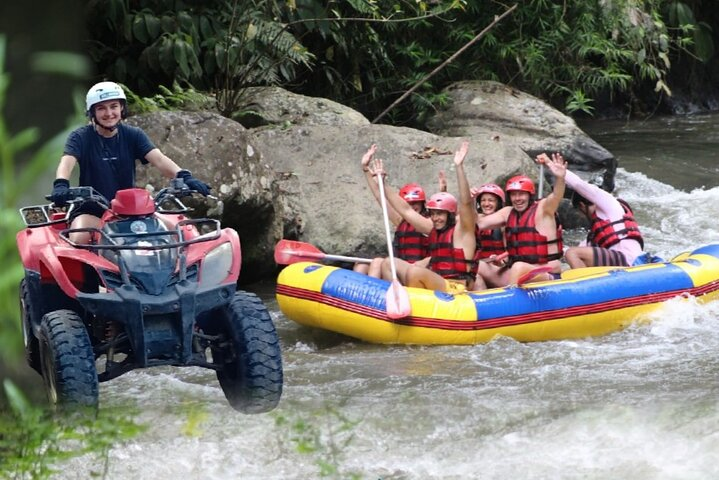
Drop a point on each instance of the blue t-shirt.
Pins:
(108, 164)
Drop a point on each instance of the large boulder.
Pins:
(263, 106)
(298, 176)
(482, 109)
(328, 201)
(218, 151)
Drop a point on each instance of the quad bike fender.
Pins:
(30, 242)
(198, 251)
(65, 266)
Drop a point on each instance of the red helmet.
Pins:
(492, 188)
(442, 201)
(520, 183)
(412, 193)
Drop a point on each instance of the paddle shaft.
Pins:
(342, 258)
(292, 251)
(327, 256)
(385, 216)
(541, 181)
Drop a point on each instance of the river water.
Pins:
(640, 404)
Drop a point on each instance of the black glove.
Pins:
(60, 190)
(193, 183)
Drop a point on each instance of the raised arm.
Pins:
(466, 209)
(558, 166)
(607, 205)
(404, 209)
(367, 158)
(494, 220)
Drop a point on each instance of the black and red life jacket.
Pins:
(525, 243)
(409, 244)
(490, 242)
(448, 261)
(603, 234)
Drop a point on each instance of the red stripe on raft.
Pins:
(319, 297)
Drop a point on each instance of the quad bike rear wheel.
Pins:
(32, 346)
(251, 373)
(68, 362)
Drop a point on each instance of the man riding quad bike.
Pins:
(152, 287)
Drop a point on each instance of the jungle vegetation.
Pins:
(366, 53)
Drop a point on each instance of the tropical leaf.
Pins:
(704, 42)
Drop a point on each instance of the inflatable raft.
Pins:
(585, 302)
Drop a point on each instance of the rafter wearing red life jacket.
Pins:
(490, 242)
(603, 234)
(525, 243)
(409, 244)
(448, 261)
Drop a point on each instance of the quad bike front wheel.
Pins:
(67, 359)
(250, 357)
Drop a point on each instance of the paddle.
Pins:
(397, 299)
(533, 273)
(288, 252)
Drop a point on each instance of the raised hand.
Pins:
(377, 167)
(461, 153)
(367, 157)
(442, 181)
(557, 164)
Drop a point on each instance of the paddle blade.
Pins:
(530, 275)
(288, 252)
(397, 300)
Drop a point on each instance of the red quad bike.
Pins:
(152, 287)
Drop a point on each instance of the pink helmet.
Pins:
(520, 183)
(412, 193)
(492, 188)
(442, 201)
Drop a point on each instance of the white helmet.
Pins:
(104, 91)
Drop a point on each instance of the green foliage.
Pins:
(14, 183)
(34, 443)
(177, 98)
(366, 54)
(578, 102)
(570, 52)
(214, 45)
(681, 18)
(324, 437)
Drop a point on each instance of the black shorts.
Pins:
(608, 258)
(88, 207)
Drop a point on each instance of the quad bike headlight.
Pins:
(216, 265)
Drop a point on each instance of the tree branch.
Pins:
(446, 62)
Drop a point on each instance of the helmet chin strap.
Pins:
(107, 129)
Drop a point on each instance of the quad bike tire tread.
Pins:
(252, 379)
(68, 362)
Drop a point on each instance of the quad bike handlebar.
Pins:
(80, 194)
(167, 200)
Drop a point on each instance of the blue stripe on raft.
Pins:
(616, 286)
(356, 288)
(712, 250)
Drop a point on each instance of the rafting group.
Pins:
(474, 241)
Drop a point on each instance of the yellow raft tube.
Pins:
(585, 302)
